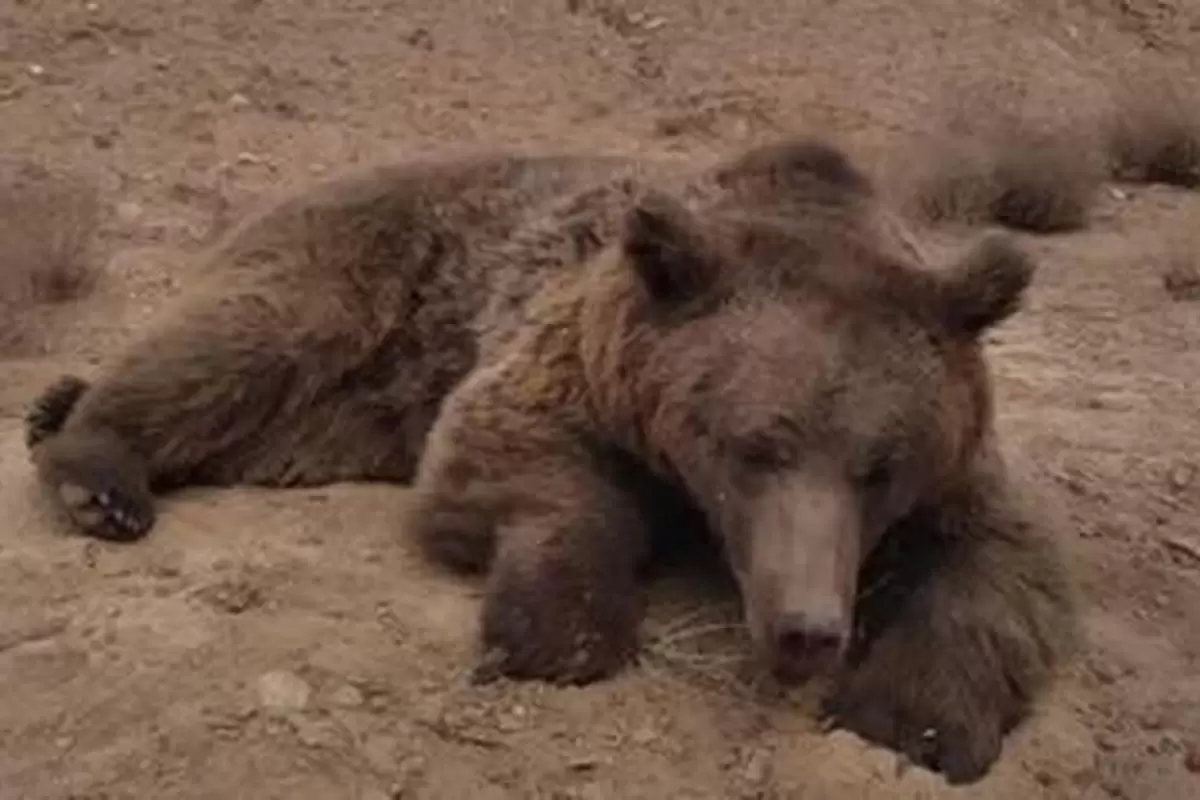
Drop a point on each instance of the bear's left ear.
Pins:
(986, 286)
(807, 165)
(665, 247)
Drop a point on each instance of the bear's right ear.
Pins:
(986, 286)
(664, 247)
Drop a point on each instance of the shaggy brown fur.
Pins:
(566, 359)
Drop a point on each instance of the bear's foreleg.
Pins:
(506, 488)
(964, 614)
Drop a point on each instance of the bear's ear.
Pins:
(986, 286)
(807, 164)
(665, 248)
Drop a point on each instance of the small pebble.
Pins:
(1182, 475)
(281, 690)
(347, 696)
(129, 211)
(1191, 760)
(644, 736)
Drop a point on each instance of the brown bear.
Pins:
(572, 358)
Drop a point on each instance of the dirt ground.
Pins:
(283, 645)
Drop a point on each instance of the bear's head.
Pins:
(804, 383)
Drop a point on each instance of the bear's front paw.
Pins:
(532, 632)
(934, 725)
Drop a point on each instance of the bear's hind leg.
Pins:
(970, 617)
(195, 403)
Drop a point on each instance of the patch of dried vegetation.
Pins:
(48, 224)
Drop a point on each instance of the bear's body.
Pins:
(558, 357)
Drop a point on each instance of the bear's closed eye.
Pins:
(878, 470)
(764, 452)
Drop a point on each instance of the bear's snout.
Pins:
(799, 583)
(807, 645)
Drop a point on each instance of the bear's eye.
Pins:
(762, 452)
(878, 472)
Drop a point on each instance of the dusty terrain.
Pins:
(283, 645)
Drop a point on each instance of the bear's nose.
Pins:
(806, 645)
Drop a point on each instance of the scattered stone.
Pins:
(283, 691)
(229, 724)
(1182, 282)
(315, 733)
(347, 696)
(1105, 672)
(1113, 789)
(583, 764)
(164, 571)
(1044, 777)
(1191, 759)
(1182, 476)
(380, 752)
(238, 100)
(1150, 721)
(37, 630)
(512, 721)
(232, 595)
(1186, 546)
(421, 38)
(644, 736)
(129, 212)
(757, 767)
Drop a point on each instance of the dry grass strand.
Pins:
(1154, 134)
(991, 160)
(48, 223)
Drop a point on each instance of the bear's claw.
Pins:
(108, 513)
(527, 636)
(943, 739)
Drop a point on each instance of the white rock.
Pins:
(129, 211)
(281, 690)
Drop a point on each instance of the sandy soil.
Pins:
(282, 645)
